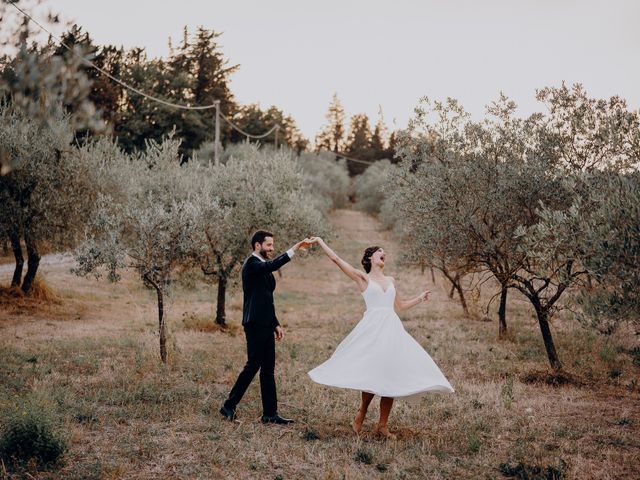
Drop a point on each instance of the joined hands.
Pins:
(303, 244)
(307, 242)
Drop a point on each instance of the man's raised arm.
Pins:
(279, 261)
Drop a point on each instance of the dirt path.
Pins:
(49, 260)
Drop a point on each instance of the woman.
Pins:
(379, 357)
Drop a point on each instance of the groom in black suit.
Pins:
(261, 326)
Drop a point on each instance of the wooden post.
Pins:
(216, 150)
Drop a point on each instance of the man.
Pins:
(261, 326)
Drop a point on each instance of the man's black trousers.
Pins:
(261, 355)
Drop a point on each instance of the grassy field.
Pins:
(90, 358)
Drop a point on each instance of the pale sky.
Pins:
(295, 54)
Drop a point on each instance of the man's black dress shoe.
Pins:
(276, 419)
(228, 413)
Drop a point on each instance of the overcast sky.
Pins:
(295, 54)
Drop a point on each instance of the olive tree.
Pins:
(589, 134)
(44, 200)
(469, 195)
(577, 135)
(429, 192)
(327, 178)
(610, 235)
(505, 179)
(42, 85)
(254, 189)
(147, 218)
(369, 187)
(601, 233)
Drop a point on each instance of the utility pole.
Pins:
(216, 149)
(277, 130)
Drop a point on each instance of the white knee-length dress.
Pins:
(379, 356)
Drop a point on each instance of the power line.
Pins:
(357, 160)
(160, 100)
(275, 127)
(115, 79)
(216, 104)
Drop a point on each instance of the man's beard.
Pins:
(265, 254)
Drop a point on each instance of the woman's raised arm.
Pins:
(353, 273)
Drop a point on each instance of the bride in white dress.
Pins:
(379, 357)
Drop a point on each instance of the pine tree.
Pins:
(378, 138)
(390, 152)
(331, 137)
(196, 73)
(359, 142)
(105, 94)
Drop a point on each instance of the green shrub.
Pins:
(29, 434)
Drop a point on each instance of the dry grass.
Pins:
(41, 298)
(203, 323)
(94, 355)
(40, 293)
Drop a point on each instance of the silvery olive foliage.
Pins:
(502, 195)
(468, 186)
(254, 189)
(147, 217)
(327, 179)
(602, 233)
(44, 199)
(42, 85)
(424, 191)
(205, 153)
(589, 134)
(369, 187)
(612, 237)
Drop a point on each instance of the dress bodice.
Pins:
(376, 297)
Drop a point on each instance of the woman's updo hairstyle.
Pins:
(366, 258)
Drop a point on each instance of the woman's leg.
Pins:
(362, 411)
(385, 409)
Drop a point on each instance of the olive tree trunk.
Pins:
(33, 262)
(161, 325)
(502, 313)
(543, 321)
(221, 316)
(16, 280)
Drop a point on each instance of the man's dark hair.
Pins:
(259, 237)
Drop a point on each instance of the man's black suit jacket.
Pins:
(258, 284)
